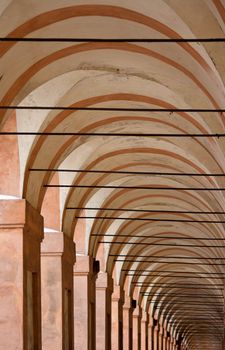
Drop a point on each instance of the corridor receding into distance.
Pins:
(112, 174)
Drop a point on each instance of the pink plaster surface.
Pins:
(127, 320)
(84, 304)
(9, 160)
(11, 289)
(104, 285)
(50, 208)
(20, 236)
(117, 316)
(51, 303)
(79, 233)
(57, 259)
(136, 324)
(51, 278)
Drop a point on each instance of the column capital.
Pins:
(144, 316)
(104, 280)
(118, 293)
(137, 311)
(165, 334)
(24, 217)
(156, 328)
(150, 321)
(127, 302)
(161, 330)
(85, 265)
(53, 244)
(69, 253)
(58, 244)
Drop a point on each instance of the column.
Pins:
(85, 272)
(171, 343)
(144, 335)
(165, 339)
(161, 333)
(104, 289)
(136, 327)
(156, 336)
(117, 318)
(127, 323)
(57, 260)
(168, 343)
(21, 232)
(150, 334)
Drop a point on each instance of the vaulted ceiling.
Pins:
(149, 223)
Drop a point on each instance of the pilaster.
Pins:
(57, 260)
(137, 327)
(104, 289)
(117, 318)
(85, 273)
(21, 232)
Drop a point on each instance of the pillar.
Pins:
(104, 289)
(165, 339)
(21, 232)
(137, 327)
(150, 333)
(57, 260)
(168, 343)
(171, 343)
(161, 334)
(144, 335)
(117, 318)
(85, 272)
(127, 323)
(156, 336)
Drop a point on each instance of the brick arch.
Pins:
(61, 116)
(54, 16)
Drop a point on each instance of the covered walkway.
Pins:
(112, 180)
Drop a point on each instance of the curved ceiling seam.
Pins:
(93, 226)
(123, 205)
(65, 114)
(128, 238)
(124, 13)
(117, 195)
(48, 59)
(163, 151)
(45, 181)
(125, 264)
(139, 250)
(138, 226)
(52, 164)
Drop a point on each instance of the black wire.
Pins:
(167, 257)
(158, 237)
(202, 296)
(115, 109)
(170, 262)
(172, 276)
(148, 211)
(169, 271)
(140, 187)
(34, 133)
(126, 172)
(148, 219)
(163, 244)
(113, 40)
